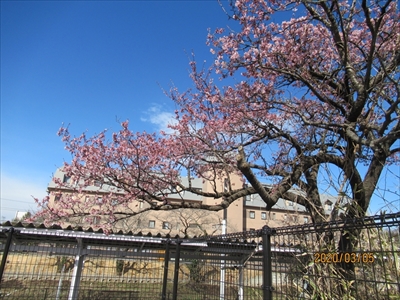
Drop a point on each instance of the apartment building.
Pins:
(248, 213)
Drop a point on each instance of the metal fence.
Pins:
(356, 259)
(350, 259)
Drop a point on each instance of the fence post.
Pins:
(5, 253)
(76, 274)
(165, 277)
(176, 271)
(266, 233)
(222, 272)
(241, 283)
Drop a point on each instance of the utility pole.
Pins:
(222, 286)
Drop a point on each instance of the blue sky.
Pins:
(88, 64)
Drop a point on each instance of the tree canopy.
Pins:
(296, 108)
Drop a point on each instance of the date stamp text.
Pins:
(346, 257)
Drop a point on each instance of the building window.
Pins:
(285, 217)
(57, 198)
(165, 225)
(66, 179)
(114, 202)
(252, 214)
(289, 203)
(193, 225)
(305, 220)
(141, 204)
(87, 199)
(273, 216)
(97, 183)
(226, 185)
(196, 189)
(263, 215)
(295, 219)
(99, 200)
(152, 224)
(328, 205)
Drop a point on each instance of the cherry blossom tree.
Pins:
(297, 108)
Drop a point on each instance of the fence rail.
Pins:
(349, 259)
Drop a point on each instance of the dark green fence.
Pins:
(350, 259)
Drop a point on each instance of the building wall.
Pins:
(242, 215)
(193, 222)
(256, 218)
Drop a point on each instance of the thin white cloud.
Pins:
(155, 115)
(16, 195)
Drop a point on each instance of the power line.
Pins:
(33, 201)
(11, 209)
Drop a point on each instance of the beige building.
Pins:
(244, 214)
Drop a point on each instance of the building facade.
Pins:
(245, 214)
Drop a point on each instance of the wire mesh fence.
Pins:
(350, 259)
(62, 264)
(356, 259)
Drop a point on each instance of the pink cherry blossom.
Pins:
(315, 91)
